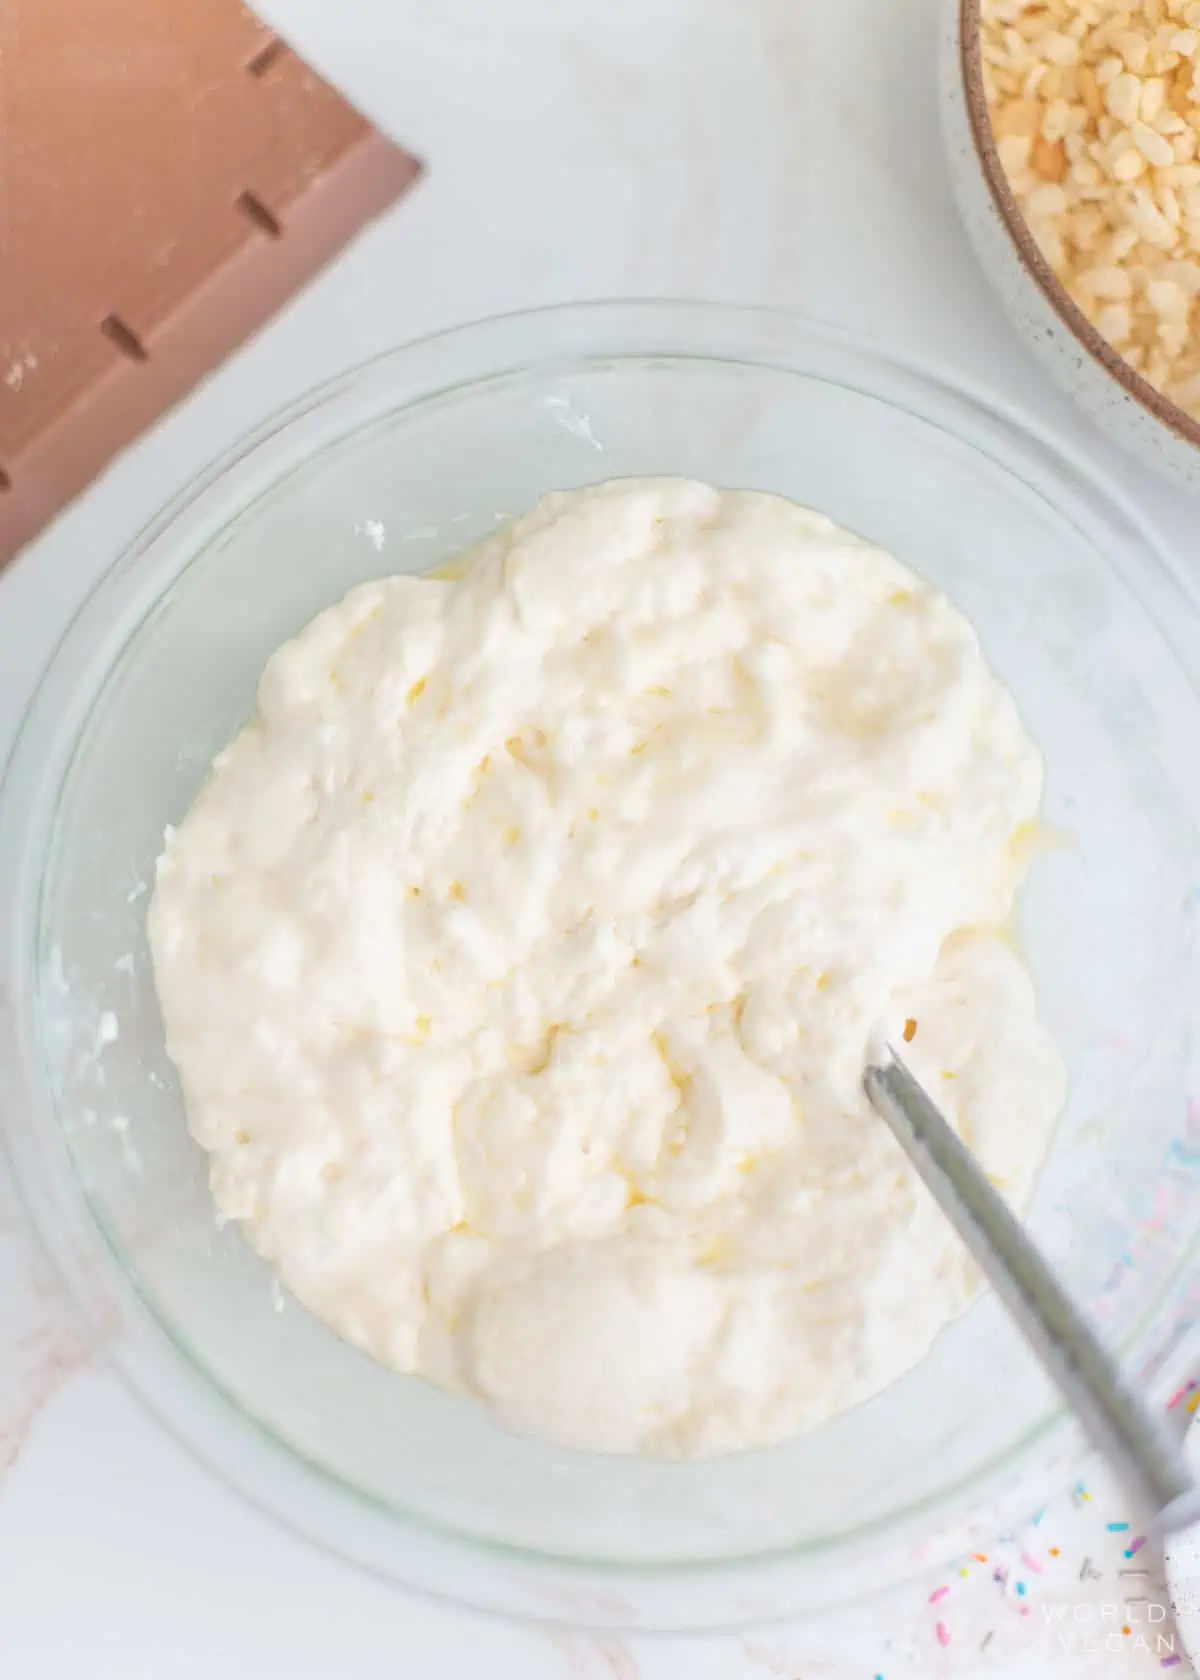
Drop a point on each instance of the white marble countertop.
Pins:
(752, 150)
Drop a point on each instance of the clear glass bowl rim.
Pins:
(404, 377)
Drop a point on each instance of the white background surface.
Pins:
(773, 151)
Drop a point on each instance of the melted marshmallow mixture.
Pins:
(521, 956)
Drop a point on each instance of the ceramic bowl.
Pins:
(1113, 394)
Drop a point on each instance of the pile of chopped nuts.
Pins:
(1095, 108)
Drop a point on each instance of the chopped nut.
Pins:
(1153, 147)
(1050, 159)
(1123, 98)
(1095, 106)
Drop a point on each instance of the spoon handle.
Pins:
(1136, 1442)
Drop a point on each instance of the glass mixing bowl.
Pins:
(396, 466)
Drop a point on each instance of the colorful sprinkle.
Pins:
(1117, 1528)
(1193, 1404)
(943, 1633)
(1031, 1564)
(999, 1576)
(939, 1595)
(1036, 1518)
(1180, 1394)
(1126, 1630)
(1021, 1589)
(980, 1557)
(1171, 1662)
(1136, 1546)
(964, 1572)
(1054, 1552)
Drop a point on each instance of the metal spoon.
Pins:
(1135, 1441)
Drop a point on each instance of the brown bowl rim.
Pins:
(1162, 408)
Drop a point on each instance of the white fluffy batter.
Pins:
(519, 960)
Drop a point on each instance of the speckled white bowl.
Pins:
(1128, 407)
